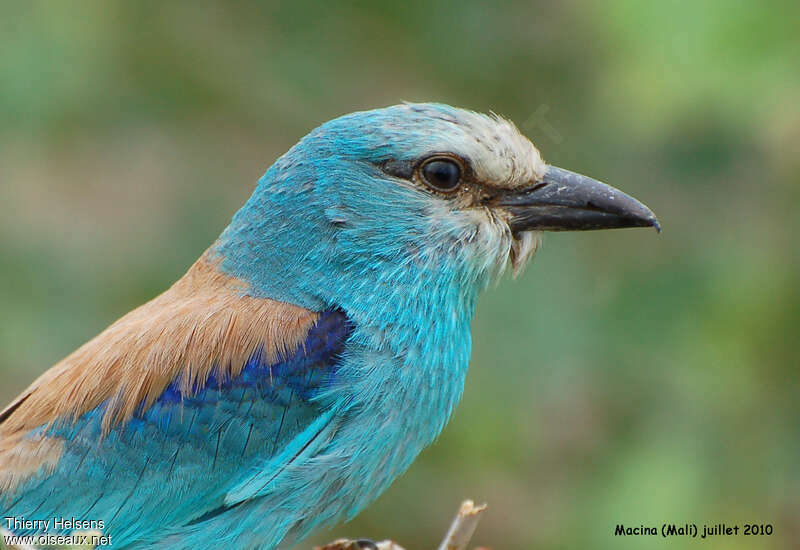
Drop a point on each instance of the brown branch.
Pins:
(457, 538)
(463, 526)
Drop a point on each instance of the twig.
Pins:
(463, 526)
(457, 538)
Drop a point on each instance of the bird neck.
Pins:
(411, 314)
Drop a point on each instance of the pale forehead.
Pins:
(499, 154)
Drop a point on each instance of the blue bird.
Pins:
(309, 355)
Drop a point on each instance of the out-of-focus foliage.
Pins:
(626, 377)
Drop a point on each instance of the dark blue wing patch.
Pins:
(304, 371)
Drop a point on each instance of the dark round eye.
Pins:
(443, 174)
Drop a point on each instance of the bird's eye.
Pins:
(442, 174)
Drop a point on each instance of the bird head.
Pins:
(410, 196)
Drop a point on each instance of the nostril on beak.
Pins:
(539, 186)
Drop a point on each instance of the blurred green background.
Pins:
(626, 377)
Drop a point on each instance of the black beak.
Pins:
(566, 201)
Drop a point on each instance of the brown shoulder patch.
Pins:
(205, 319)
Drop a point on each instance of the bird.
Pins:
(312, 351)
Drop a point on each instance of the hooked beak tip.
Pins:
(656, 224)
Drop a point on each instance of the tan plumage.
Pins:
(203, 321)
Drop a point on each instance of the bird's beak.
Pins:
(566, 201)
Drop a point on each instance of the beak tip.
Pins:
(657, 225)
(646, 216)
(652, 221)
